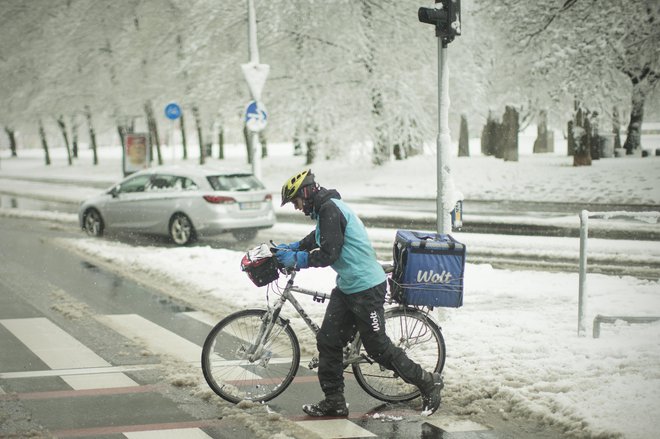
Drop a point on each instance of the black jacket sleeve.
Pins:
(308, 243)
(332, 225)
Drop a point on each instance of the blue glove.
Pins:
(292, 246)
(293, 259)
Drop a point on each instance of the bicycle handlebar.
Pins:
(387, 267)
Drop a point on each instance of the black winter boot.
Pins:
(431, 395)
(332, 405)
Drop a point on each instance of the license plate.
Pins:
(250, 206)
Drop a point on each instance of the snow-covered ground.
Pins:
(513, 345)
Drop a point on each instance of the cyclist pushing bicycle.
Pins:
(341, 242)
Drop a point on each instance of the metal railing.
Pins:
(584, 233)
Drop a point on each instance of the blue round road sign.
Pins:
(256, 117)
(172, 111)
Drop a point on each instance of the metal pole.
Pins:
(584, 231)
(443, 141)
(253, 49)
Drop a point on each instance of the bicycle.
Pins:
(254, 354)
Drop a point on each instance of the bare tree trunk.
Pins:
(121, 131)
(153, 130)
(545, 140)
(570, 138)
(297, 143)
(412, 146)
(634, 135)
(44, 143)
(92, 135)
(582, 139)
(510, 127)
(311, 151)
(221, 143)
(74, 136)
(198, 123)
(398, 151)
(248, 144)
(184, 143)
(264, 144)
(381, 150)
(616, 128)
(463, 138)
(489, 136)
(312, 144)
(12, 141)
(62, 125)
(297, 146)
(594, 138)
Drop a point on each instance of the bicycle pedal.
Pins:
(314, 363)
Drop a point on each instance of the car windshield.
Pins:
(235, 182)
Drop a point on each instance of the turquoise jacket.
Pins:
(341, 242)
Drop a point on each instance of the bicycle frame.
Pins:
(273, 313)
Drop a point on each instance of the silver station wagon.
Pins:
(182, 202)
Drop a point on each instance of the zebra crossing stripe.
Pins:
(163, 341)
(455, 425)
(335, 428)
(155, 337)
(77, 371)
(59, 350)
(53, 345)
(202, 317)
(175, 433)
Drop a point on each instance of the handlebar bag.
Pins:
(260, 265)
(428, 269)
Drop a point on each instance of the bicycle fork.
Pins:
(256, 350)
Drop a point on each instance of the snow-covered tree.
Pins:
(597, 53)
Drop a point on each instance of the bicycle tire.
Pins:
(421, 339)
(234, 377)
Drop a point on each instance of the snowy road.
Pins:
(122, 357)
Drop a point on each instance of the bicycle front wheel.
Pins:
(420, 338)
(237, 369)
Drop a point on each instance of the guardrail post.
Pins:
(584, 231)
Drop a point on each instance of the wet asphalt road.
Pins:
(46, 286)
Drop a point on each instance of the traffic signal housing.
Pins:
(445, 16)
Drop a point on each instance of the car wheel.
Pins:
(245, 234)
(181, 229)
(93, 223)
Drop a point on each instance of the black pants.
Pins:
(363, 312)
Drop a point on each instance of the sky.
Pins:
(512, 346)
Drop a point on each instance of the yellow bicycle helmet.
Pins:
(293, 185)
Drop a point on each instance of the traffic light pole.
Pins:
(443, 143)
(445, 16)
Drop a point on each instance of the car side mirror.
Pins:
(114, 192)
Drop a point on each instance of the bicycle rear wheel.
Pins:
(420, 338)
(234, 376)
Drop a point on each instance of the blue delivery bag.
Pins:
(428, 269)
